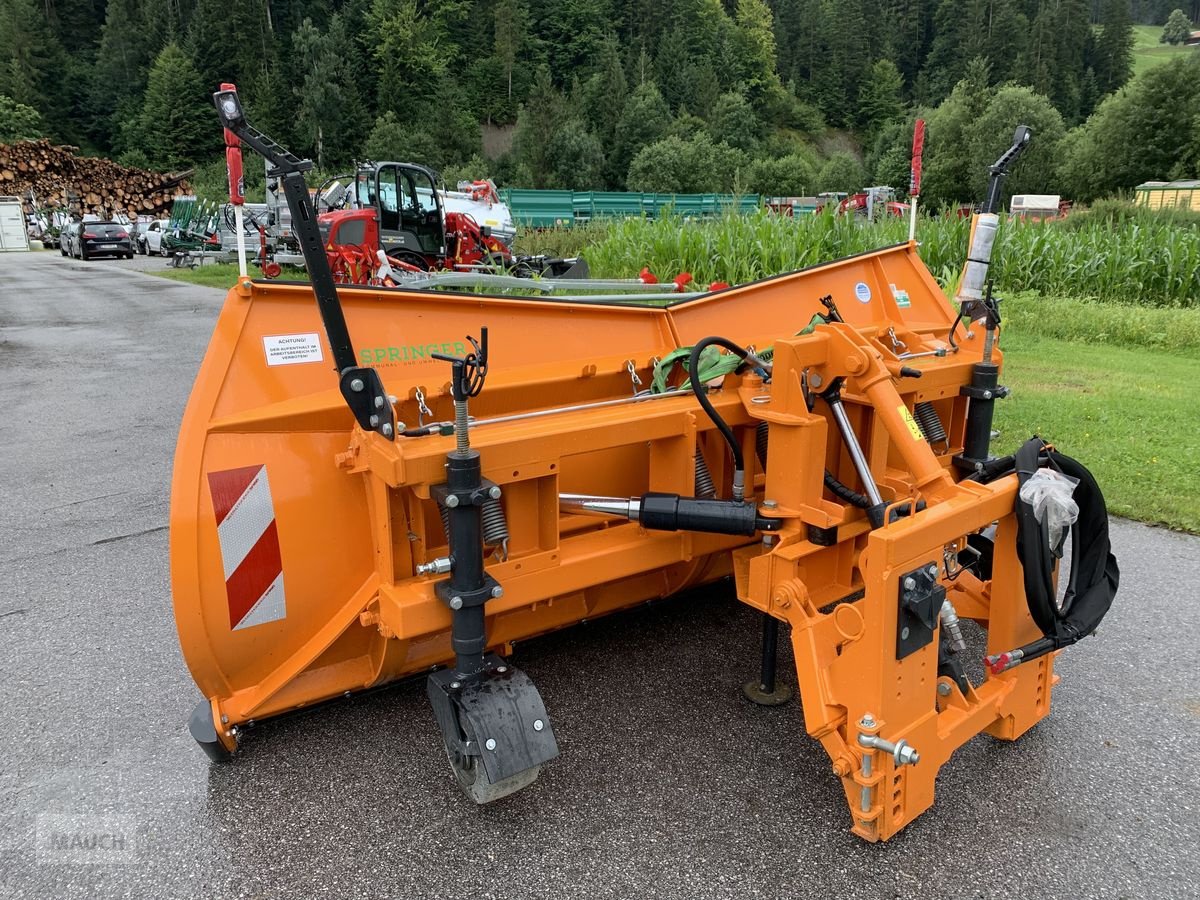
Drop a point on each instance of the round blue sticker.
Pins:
(862, 292)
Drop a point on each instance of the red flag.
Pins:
(918, 147)
(233, 162)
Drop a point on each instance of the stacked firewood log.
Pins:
(53, 177)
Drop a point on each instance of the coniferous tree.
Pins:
(177, 125)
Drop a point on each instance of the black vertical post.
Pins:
(465, 589)
(770, 648)
(764, 691)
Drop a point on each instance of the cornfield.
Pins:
(1143, 260)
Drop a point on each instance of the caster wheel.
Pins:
(473, 780)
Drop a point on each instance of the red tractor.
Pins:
(396, 207)
(874, 203)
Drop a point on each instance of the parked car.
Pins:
(66, 238)
(149, 239)
(103, 239)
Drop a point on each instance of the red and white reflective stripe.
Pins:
(249, 539)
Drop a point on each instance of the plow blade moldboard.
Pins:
(296, 534)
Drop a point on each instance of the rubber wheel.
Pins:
(164, 252)
(62, 250)
(413, 259)
(473, 780)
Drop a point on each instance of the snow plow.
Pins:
(479, 470)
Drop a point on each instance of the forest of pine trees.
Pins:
(782, 97)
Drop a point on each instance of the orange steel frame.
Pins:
(354, 514)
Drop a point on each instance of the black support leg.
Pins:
(765, 691)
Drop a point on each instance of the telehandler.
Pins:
(821, 438)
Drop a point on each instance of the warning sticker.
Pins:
(913, 428)
(901, 297)
(289, 349)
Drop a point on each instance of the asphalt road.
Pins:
(669, 785)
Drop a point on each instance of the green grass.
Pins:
(1087, 321)
(220, 275)
(1127, 413)
(1148, 52)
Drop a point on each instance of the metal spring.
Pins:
(495, 527)
(461, 426)
(705, 488)
(931, 426)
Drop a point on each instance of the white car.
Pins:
(149, 239)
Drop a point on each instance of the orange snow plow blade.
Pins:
(821, 436)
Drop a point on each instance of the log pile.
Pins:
(54, 177)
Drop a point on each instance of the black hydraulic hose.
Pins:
(1094, 576)
(698, 389)
(854, 498)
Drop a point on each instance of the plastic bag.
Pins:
(1049, 493)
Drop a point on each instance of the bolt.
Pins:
(455, 685)
(456, 602)
(501, 669)
(497, 591)
(387, 430)
(815, 380)
(224, 720)
(770, 504)
(491, 744)
(357, 385)
(392, 399)
(932, 570)
(987, 395)
(538, 724)
(943, 689)
(452, 500)
(904, 633)
(868, 721)
(379, 402)
(374, 421)
(346, 695)
(910, 583)
(494, 492)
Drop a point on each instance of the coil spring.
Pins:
(705, 488)
(495, 527)
(931, 426)
(761, 436)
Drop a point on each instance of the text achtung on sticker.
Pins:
(289, 349)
